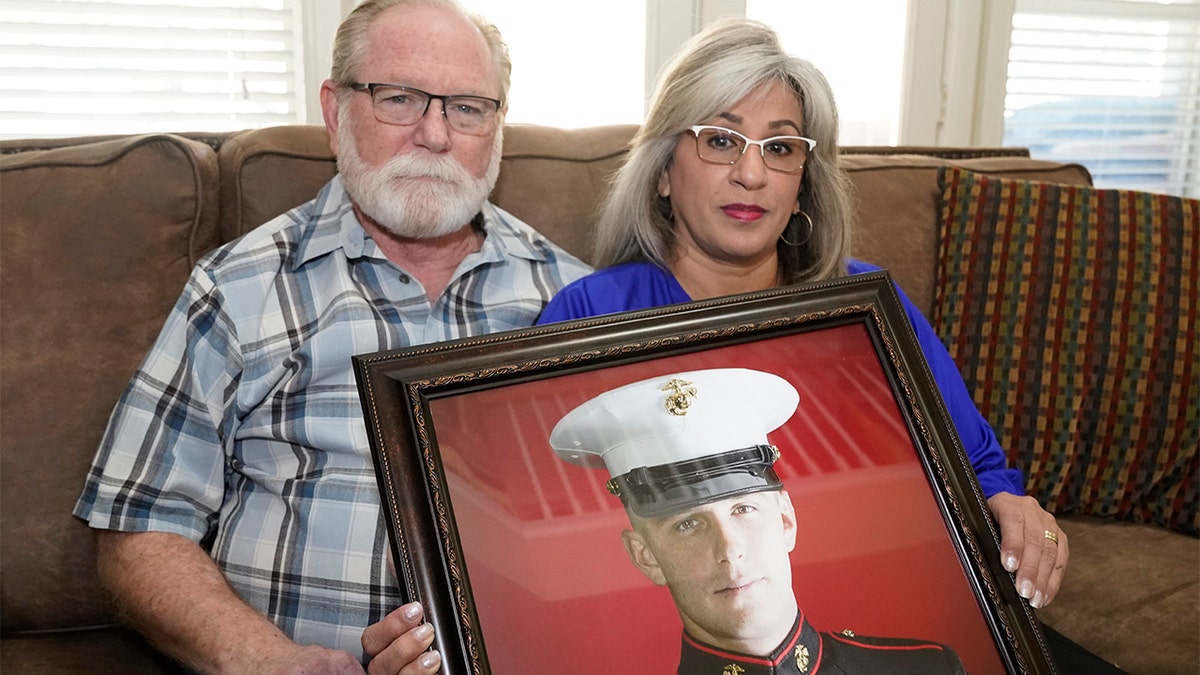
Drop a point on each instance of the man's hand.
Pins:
(1032, 545)
(397, 645)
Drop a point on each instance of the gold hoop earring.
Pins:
(806, 236)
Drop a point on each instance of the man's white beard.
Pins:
(415, 195)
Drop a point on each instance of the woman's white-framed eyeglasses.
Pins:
(718, 145)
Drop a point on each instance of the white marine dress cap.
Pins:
(676, 441)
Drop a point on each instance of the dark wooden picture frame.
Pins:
(517, 557)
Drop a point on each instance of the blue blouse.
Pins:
(642, 285)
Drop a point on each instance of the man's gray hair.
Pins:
(350, 44)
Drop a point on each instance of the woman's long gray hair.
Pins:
(714, 70)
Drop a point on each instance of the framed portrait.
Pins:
(517, 555)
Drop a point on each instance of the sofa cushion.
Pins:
(1130, 595)
(896, 211)
(555, 179)
(1075, 316)
(104, 651)
(252, 163)
(97, 240)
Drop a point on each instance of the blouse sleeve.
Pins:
(978, 438)
(572, 302)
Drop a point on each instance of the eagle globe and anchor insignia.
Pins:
(801, 655)
(680, 399)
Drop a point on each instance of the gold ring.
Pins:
(1051, 536)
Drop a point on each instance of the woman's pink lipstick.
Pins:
(744, 212)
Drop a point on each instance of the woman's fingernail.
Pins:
(1037, 600)
(1010, 563)
(430, 659)
(423, 632)
(412, 610)
(1026, 589)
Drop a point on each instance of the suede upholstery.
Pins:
(97, 236)
(98, 241)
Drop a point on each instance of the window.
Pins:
(575, 64)
(867, 89)
(84, 67)
(1111, 84)
(550, 86)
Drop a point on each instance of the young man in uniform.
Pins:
(689, 459)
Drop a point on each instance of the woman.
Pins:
(733, 185)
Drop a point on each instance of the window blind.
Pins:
(85, 67)
(1111, 84)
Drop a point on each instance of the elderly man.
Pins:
(236, 508)
(689, 459)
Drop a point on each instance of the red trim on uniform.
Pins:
(842, 638)
(820, 653)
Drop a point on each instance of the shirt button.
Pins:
(404, 279)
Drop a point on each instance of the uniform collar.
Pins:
(798, 654)
(337, 227)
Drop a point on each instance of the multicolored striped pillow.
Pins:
(1073, 313)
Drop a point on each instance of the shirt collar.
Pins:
(798, 654)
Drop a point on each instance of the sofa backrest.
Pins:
(897, 212)
(97, 240)
(555, 179)
(98, 236)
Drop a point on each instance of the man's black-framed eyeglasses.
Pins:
(404, 106)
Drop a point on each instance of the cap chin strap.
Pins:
(651, 491)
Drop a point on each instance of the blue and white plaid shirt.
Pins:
(243, 430)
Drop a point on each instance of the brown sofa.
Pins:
(98, 235)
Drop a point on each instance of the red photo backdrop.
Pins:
(552, 585)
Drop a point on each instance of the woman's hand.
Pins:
(1032, 545)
